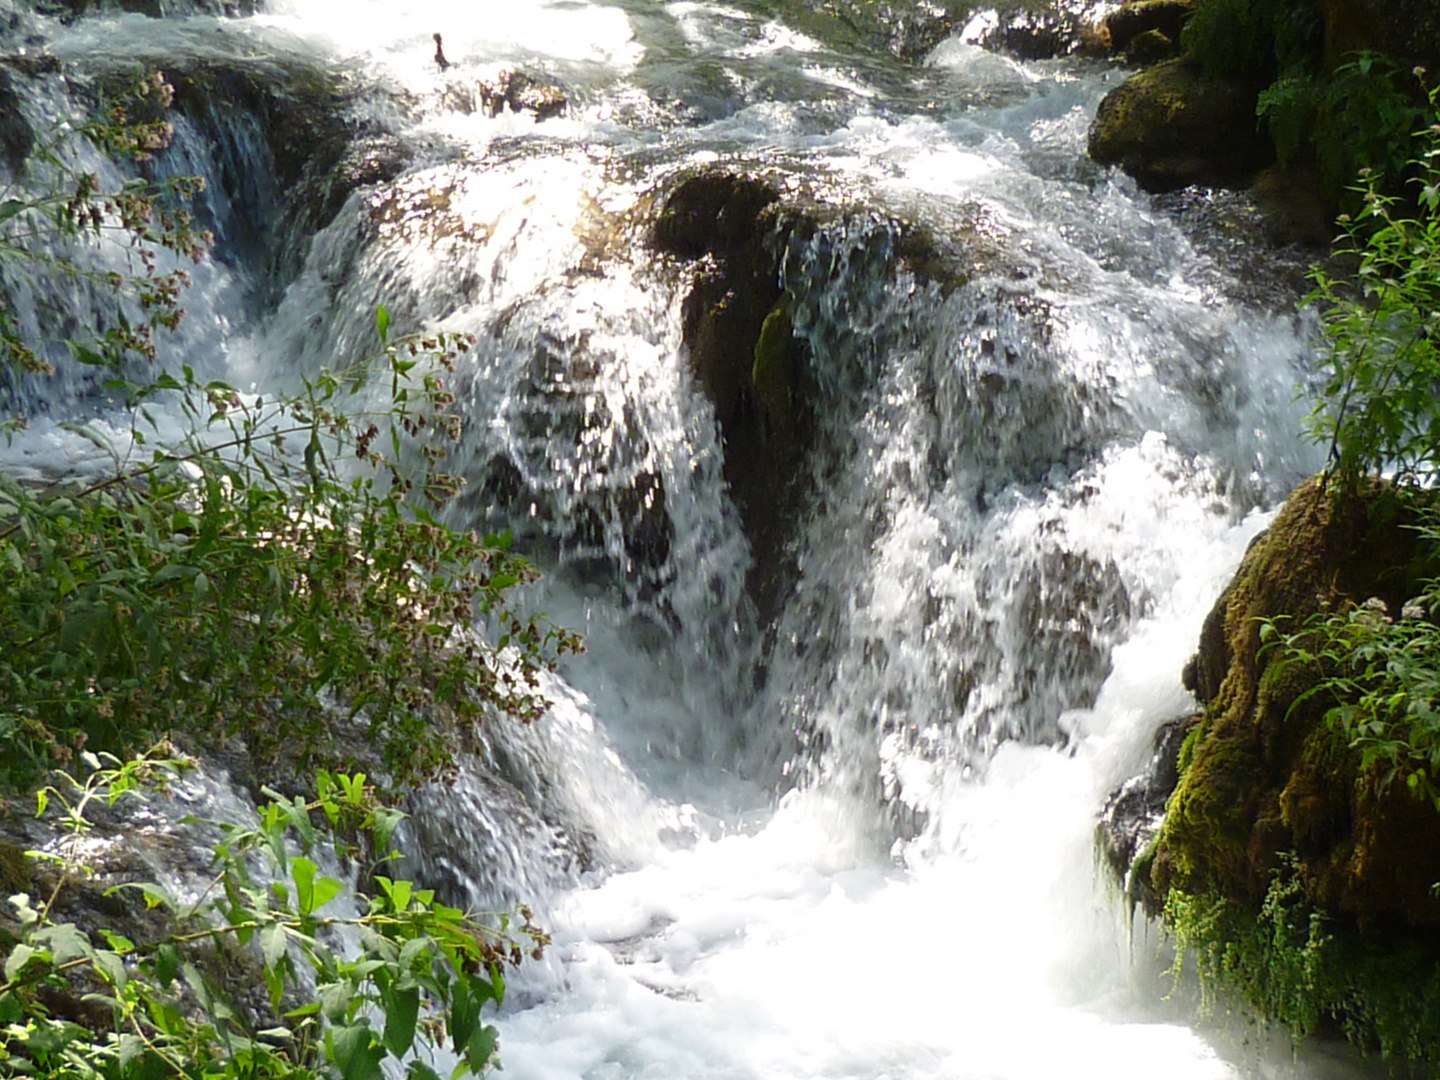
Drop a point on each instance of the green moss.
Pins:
(1291, 962)
(15, 870)
(773, 372)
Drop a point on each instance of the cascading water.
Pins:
(850, 835)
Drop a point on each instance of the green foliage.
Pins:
(1289, 964)
(1378, 408)
(240, 585)
(1381, 682)
(1233, 37)
(414, 984)
(275, 575)
(1359, 117)
(60, 205)
(1365, 117)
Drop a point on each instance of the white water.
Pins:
(879, 864)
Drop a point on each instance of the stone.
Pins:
(1172, 126)
(1263, 775)
(1132, 20)
(519, 92)
(1150, 48)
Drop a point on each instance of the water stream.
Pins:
(850, 837)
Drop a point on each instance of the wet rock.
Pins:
(17, 137)
(719, 221)
(519, 92)
(1150, 48)
(1293, 210)
(1264, 774)
(1173, 125)
(1046, 30)
(68, 11)
(1130, 21)
(1134, 811)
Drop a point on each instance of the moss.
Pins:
(1263, 773)
(1285, 867)
(1173, 125)
(773, 372)
(1291, 962)
(15, 870)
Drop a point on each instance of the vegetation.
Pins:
(278, 576)
(1291, 964)
(409, 993)
(245, 581)
(1335, 119)
(1353, 690)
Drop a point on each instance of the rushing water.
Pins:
(852, 838)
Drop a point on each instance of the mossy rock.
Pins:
(1173, 125)
(1263, 774)
(1151, 47)
(1133, 20)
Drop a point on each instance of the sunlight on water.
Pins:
(1032, 474)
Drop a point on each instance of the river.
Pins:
(844, 829)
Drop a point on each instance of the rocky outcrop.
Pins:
(740, 347)
(1263, 776)
(1173, 125)
(518, 91)
(1134, 812)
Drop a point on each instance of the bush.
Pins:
(87, 1006)
(1377, 676)
(245, 581)
(1378, 407)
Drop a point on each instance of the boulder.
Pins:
(1172, 126)
(1263, 775)
(1132, 20)
(1134, 812)
(1150, 48)
(740, 347)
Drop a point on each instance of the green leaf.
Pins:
(402, 1010)
(10, 207)
(272, 944)
(386, 822)
(382, 322)
(87, 355)
(16, 961)
(335, 1000)
(113, 967)
(481, 1047)
(351, 1050)
(418, 1070)
(66, 941)
(167, 963)
(303, 871)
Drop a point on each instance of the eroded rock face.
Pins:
(1173, 125)
(1263, 775)
(720, 222)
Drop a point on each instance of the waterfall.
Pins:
(847, 832)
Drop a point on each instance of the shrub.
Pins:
(245, 581)
(83, 1006)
